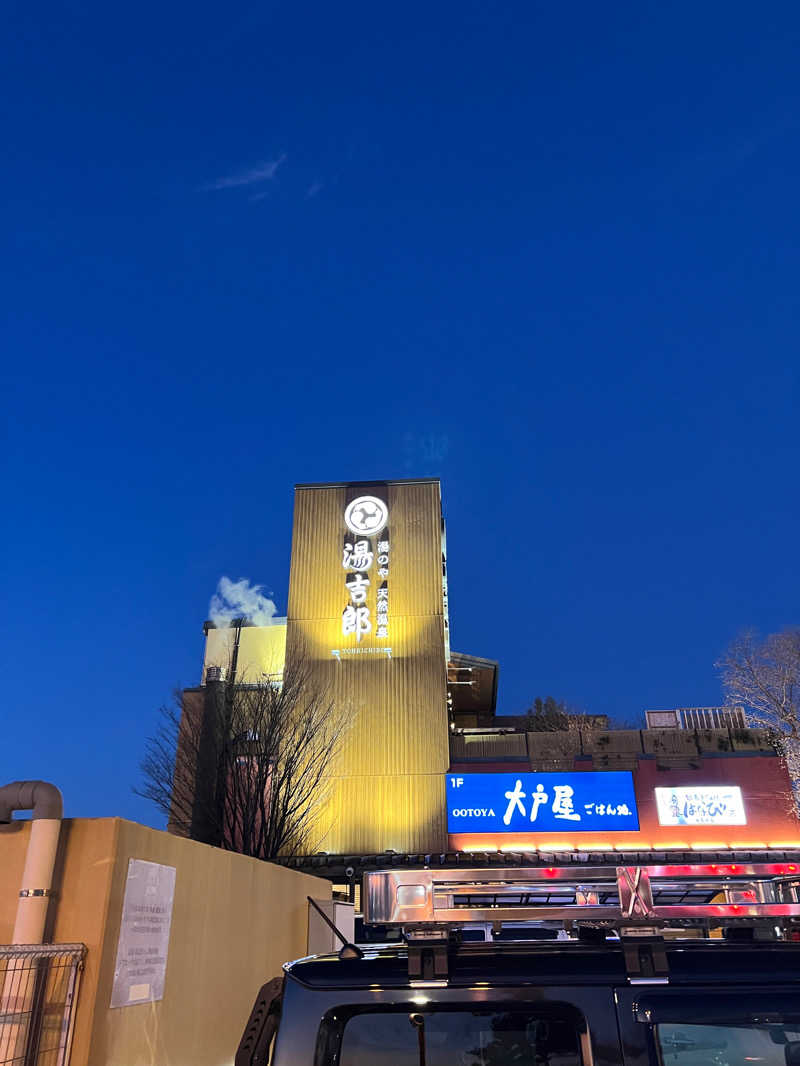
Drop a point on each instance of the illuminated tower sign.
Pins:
(366, 613)
(366, 518)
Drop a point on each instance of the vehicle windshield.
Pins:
(728, 1045)
(458, 1038)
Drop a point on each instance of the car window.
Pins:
(728, 1045)
(459, 1038)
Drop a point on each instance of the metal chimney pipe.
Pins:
(17, 993)
(45, 801)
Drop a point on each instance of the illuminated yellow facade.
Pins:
(261, 650)
(368, 611)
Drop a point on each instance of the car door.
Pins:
(709, 1025)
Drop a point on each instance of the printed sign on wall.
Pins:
(143, 934)
(693, 805)
(541, 803)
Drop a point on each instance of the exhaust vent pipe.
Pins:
(47, 807)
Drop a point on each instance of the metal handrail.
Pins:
(39, 986)
(41, 951)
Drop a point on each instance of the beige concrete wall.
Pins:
(84, 869)
(235, 921)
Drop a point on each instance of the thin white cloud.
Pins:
(261, 172)
(314, 189)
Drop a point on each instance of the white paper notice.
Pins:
(143, 934)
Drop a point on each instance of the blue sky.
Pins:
(548, 253)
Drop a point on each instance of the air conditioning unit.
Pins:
(215, 673)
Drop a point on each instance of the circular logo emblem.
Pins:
(366, 516)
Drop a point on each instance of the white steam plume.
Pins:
(240, 599)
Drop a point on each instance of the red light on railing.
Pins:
(550, 871)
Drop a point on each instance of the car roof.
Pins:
(558, 963)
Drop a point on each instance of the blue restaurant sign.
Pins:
(541, 803)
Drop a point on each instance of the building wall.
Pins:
(766, 792)
(387, 786)
(235, 921)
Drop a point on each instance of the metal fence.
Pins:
(38, 993)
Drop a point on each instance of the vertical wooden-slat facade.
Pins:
(387, 785)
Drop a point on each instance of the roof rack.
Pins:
(639, 902)
(685, 894)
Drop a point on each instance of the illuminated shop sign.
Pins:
(692, 805)
(365, 557)
(540, 803)
(366, 516)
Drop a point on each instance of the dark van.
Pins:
(670, 965)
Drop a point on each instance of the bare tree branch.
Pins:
(764, 676)
(245, 766)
